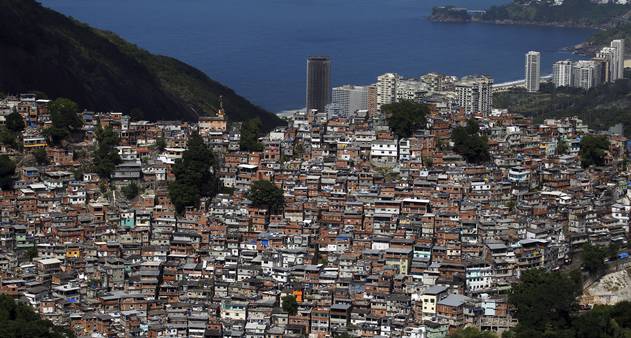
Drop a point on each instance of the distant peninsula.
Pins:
(452, 14)
(563, 13)
(611, 19)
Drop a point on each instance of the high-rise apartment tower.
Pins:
(318, 83)
(533, 71)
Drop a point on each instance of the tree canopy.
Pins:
(604, 322)
(470, 144)
(193, 176)
(600, 107)
(12, 128)
(264, 194)
(8, 138)
(593, 150)
(31, 253)
(7, 172)
(14, 122)
(545, 299)
(161, 143)
(290, 305)
(593, 258)
(250, 130)
(41, 157)
(405, 117)
(106, 156)
(64, 114)
(547, 307)
(19, 320)
(562, 147)
(131, 190)
(471, 332)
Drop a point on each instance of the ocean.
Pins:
(259, 47)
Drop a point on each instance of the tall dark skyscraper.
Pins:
(318, 82)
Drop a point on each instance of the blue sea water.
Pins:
(259, 47)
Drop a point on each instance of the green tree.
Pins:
(472, 127)
(250, 130)
(471, 332)
(470, 144)
(19, 320)
(183, 195)
(105, 157)
(290, 305)
(593, 150)
(7, 172)
(604, 321)
(593, 258)
(612, 250)
(78, 174)
(56, 135)
(8, 138)
(621, 312)
(131, 190)
(405, 117)
(562, 147)
(41, 157)
(542, 316)
(64, 114)
(264, 194)
(194, 176)
(31, 253)
(14, 122)
(545, 299)
(161, 143)
(593, 323)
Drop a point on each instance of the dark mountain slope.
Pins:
(42, 50)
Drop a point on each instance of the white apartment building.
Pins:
(127, 153)
(584, 74)
(387, 88)
(611, 60)
(384, 151)
(620, 212)
(348, 99)
(618, 45)
(438, 82)
(479, 277)
(607, 60)
(404, 149)
(409, 89)
(533, 71)
(562, 73)
(518, 174)
(475, 94)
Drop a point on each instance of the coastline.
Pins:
(566, 24)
